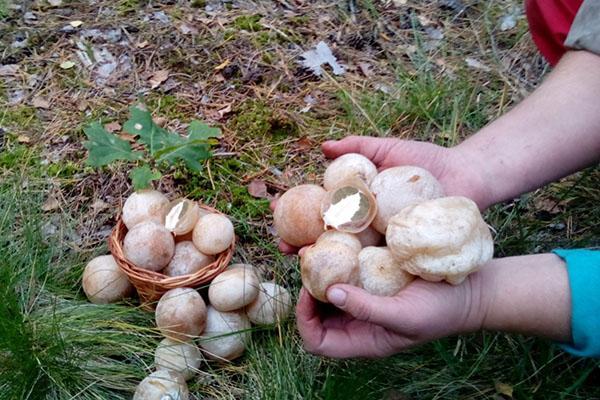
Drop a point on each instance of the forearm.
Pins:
(526, 294)
(550, 134)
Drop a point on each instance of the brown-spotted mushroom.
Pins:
(162, 385)
(183, 357)
(349, 239)
(145, 205)
(104, 282)
(213, 234)
(440, 239)
(187, 260)
(226, 334)
(233, 289)
(380, 274)
(347, 166)
(149, 245)
(181, 314)
(272, 304)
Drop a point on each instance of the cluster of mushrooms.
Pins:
(380, 230)
(179, 238)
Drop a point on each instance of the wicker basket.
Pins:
(152, 285)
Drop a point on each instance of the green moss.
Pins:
(20, 117)
(268, 57)
(198, 3)
(64, 170)
(257, 119)
(248, 23)
(18, 156)
(166, 106)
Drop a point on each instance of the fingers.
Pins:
(287, 248)
(374, 149)
(309, 321)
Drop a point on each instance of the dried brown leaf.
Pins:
(112, 127)
(158, 77)
(222, 65)
(23, 139)
(50, 204)
(40, 102)
(258, 188)
(504, 389)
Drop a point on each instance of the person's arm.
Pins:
(552, 133)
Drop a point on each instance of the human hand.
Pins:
(364, 325)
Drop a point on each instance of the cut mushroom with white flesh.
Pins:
(182, 216)
(350, 207)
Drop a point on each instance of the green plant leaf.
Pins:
(105, 147)
(140, 123)
(189, 151)
(200, 130)
(141, 177)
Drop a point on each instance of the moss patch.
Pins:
(248, 23)
(258, 119)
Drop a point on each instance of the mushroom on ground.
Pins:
(369, 237)
(177, 356)
(233, 289)
(398, 187)
(104, 282)
(213, 234)
(348, 166)
(162, 385)
(440, 239)
(182, 216)
(325, 264)
(187, 260)
(380, 274)
(181, 314)
(226, 334)
(273, 304)
(145, 205)
(149, 245)
(297, 217)
(349, 207)
(349, 239)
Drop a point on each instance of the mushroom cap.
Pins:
(220, 340)
(104, 282)
(233, 289)
(182, 216)
(145, 205)
(213, 234)
(380, 273)
(149, 245)
(297, 217)
(398, 187)
(187, 260)
(181, 314)
(325, 264)
(177, 356)
(440, 239)
(273, 304)
(162, 385)
(347, 166)
(369, 237)
(349, 239)
(349, 207)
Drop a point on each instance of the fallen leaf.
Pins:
(76, 23)
(100, 205)
(313, 59)
(258, 189)
(160, 121)
(508, 22)
(187, 29)
(9, 69)
(23, 139)
(224, 110)
(399, 3)
(112, 127)
(50, 204)
(40, 102)
(55, 3)
(424, 21)
(128, 137)
(304, 143)
(141, 45)
(158, 77)
(222, 65)
(365, 68)
(67, 64)
(476, 64)
(504, 389)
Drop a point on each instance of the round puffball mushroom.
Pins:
(187, 260)
(348, 239)
(380, 274)
(233, 289)
(226, 334)
(181, 357)
(149, 245)
(182, 216)
(325, 264)
(273, 304)
(104, 282)
(369, 237)
(145, 205)
(297, 217)
(181, 314)
(162, 385)
(349, 207)
(348, 166)
(440, 239)
(398, 187)
(213, 234)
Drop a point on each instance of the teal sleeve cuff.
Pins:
(583, 267)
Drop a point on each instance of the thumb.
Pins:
(373, 148)
(361, 304)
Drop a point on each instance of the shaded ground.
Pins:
(434, 71)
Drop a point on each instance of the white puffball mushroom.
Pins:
(162, 385)
(233, 289)
(149, 245)
(182, 216)
(297, 217)
(177, 356)
(369, 237)
(348, 166)
(187, 260)
(273, 304)
(348, 239)
(325, 264)
(145, 205)
(213, 234)
(181, 314)
(226, 334)
(399, 187)
(349, 207)
(440, 239)
(380, 274)
(104, 282)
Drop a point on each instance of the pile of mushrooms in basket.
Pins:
(375, 230)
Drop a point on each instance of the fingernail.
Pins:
(336, 296)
